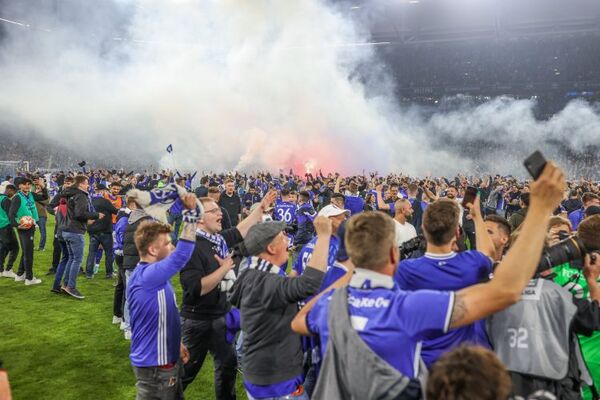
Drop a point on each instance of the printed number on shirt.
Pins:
(518, 338)
(305, 259)
(284, 215)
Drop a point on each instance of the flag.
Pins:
(170, 148)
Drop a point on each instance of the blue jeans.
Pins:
(42, 224)
(75, 244)
(175, 221)
(61, 268)
(97, 239)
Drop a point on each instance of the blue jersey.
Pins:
(306, 252)
(391, 322)
(154, 317)
(453, 271)
(355, 204)
(285, 211)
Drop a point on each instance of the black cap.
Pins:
(101, 186)
(261, 234)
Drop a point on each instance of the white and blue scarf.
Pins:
(259, 264)
(220, 247)
(157, 202)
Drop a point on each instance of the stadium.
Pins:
(320, 199)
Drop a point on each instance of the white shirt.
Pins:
(404, 232)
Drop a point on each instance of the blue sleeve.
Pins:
(318, 314)
(160, 272)
(402, 276)
(423, 326)
(485, 263)
(119, 233)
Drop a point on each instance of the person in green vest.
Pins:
(572, 278)
(23, 205)
(9, 246)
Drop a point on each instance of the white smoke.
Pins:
(236, 84)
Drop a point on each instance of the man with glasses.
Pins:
(205, 280)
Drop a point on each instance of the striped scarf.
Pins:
(220, 246)
(259, 264)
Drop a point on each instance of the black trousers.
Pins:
(200, 337)
(26, 242)
(119, 299)
(56, 253)
(9, 246)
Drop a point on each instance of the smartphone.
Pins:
(470, 195)
(535, 164)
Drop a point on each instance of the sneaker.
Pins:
(57, 291)
(96, 268)
(19, 278)
(117, 320)
(127, 334)
(9, 274)
(123, 325)
(89, 276)
(73, 293)
(34, 281)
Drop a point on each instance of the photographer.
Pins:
(570, 276)
(443, 269)
(536, 338)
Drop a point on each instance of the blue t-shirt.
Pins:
(154, 317)
(284, 211)
(391, 322)
(454, 271)
(306, 252)
(276, 390)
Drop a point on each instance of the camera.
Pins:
(569, 249)
(414, 247)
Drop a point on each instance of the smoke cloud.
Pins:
(247, 85)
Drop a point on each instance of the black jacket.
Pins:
(131, 257)
(79, 210)
(233, 205)
(202, 263)
(103, 225)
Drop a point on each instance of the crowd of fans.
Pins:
(512, 63)
(327, 286)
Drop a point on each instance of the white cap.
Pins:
(332, 210)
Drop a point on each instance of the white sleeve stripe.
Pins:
(449, 312)
(161, 340)
(417, 360)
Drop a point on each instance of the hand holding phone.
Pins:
(535, 164)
